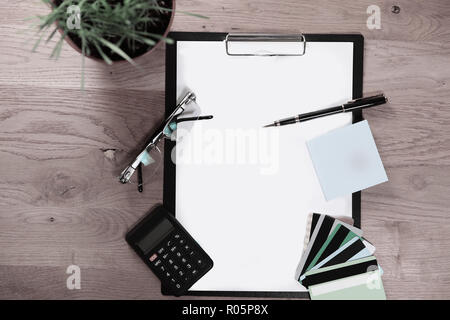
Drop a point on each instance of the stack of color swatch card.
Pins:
(338, 263)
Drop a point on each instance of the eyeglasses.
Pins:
(151, 155)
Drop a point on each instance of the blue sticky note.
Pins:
(346, 160)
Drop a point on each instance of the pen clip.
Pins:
(366, 102)
(371, 96)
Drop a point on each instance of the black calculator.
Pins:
(168, 249)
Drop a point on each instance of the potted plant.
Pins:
(107, 30)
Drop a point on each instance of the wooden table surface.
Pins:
(61, 148)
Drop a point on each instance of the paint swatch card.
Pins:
(364, 286)
(336, 259)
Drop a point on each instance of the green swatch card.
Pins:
(365, 286)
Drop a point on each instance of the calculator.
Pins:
(169, 250)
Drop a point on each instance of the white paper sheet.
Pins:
(249, 213)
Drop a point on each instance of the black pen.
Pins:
(350, 106)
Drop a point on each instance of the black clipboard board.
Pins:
(169, 197)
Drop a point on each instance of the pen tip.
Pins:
(268, 125)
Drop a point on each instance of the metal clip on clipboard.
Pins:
(265, 38)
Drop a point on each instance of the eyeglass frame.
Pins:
(128, 172)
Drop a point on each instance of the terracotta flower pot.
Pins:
(75, 46)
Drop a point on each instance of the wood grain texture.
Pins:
(61, 148)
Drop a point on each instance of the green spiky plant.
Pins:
(108, 29)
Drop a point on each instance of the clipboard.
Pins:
(188, 44)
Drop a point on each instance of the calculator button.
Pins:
(191, 253)
(194, 272)
(173, 248)
(188, 266)
(177, 236)
(168, 274)
(199, 261)
(153, 257)
(178, 286)
(161, 250)
(157, 263)
(162, 268)
(165, 255)
(181, 273)
(178, 254)
(182, 241)
(169, 243)
(176, 267)
(186, 247)
(183, 260)
(170, 261)
(173, 280)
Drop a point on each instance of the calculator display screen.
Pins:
(155, 235)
